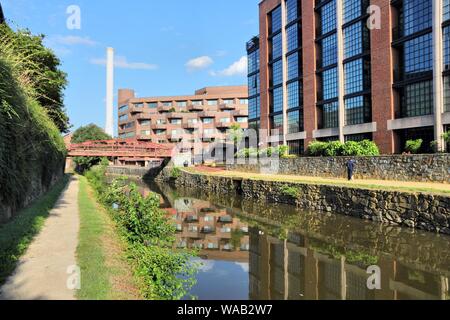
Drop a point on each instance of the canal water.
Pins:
(252, 250)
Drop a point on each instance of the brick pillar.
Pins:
(309, 69)
(382, 78)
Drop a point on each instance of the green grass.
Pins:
(16, 235)
(95, 283)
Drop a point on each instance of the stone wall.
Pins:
(429, 168)
(414, 210)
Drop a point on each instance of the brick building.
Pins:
(211, 110)
(318, 72)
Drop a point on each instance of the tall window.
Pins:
(446, 34)
(447, 94)
(417, 15)
(292, 10)
(330, 117)
(357, 110)
(354, 76)
(330, 84)
(446, 10)
(293, 67)
(328, 17)
(277, 100)
(352, 9)
(294, 95)
(253, 61)
(418, 55)
(294, 122)
(329, 50)
(277, 73)
(418, 99)
(353, 40)
(275, 18)
(276, 47)
(292, 35)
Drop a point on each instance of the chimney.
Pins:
(109, 127)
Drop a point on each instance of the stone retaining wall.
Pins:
(423, 168)
(414, 210)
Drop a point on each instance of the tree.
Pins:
(88, 133)
(46, 79)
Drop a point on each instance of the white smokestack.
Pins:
(109, 128)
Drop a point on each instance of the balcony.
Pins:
(208, 229)
(162, 108)
(195, 107)
(191, 125)
(225, 125)
(191, 218)
(134, 109)
(240, 113)
(159, 126)
(225, 219)
(227, 106)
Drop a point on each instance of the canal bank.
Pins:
(392, 203)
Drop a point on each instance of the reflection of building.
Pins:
(299, 268)
(213, 230)
(2, 17)
(324, 75)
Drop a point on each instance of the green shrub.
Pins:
(175, 173)
(413, 146)
(317, 148)
(289, 191)
(369, 148)
(334, 148)
(446, 136)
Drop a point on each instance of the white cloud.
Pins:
(123, 63)
(238, 68)
(199, 63)
(74, 40)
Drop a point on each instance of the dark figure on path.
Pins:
(350, 168)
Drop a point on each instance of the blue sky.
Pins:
(167, 47)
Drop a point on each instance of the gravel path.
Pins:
(42, 273)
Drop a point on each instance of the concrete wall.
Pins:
(422, 211)
(428, 168)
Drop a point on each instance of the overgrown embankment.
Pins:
(32, 151)
(162, 272)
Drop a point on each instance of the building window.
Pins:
(359, 137)
(138, 105)
(418, 55)
(353, 40)
(446, 10)
(328, 17)
(329, 50)
(296, 147)
(295, 122)
(330, 84)
(175, 121)
(417, 15)
(277, 73)
(275, 18)
(146, 133)
(277, 50)
(277, 124)
(197, 103)
(330, 118)
(253, 108)
(354, 76)
(292, 10)
(446, 35)
(253, 61)
(225, 120)
(418, 99)
(152, 105)
(208, 120)
(294, 95)
(160, 121)
(228, 101)
(181, 104)
(446, 94)
(212, 102)
(292, 36)
(241, 119)
(243, 101)
(292, 66)
(123, 118)
(352, 10)
(253, 85)
(357, 110)
(277, 100)
(145, 123)
(123, 108)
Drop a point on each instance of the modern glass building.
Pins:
(352, 70)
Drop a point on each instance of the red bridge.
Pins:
(123, 151)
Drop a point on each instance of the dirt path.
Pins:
(428, 187)
(42, 272)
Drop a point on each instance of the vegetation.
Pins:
(32, 151)
(175, 173)
(88, 133)
(281, 151)
(236, 133)
(446, 137)
(41, 69)
(16, 235)
(162, 272)
(336, 148)
(289, 191)
(413, 146)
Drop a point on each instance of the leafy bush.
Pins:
(446, 136)
(293, 192)
(317, 148)
(413, 146)
(336, 148)
(165, 273)
(175, 173)
(247, 153)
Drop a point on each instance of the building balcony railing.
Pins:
(158, 126)
(195, 107)
(136, 109)
(190, 125)
(227, 106)
(223, 124)
(164, 108)
(240, 113)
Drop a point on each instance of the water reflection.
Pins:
(260, 251)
